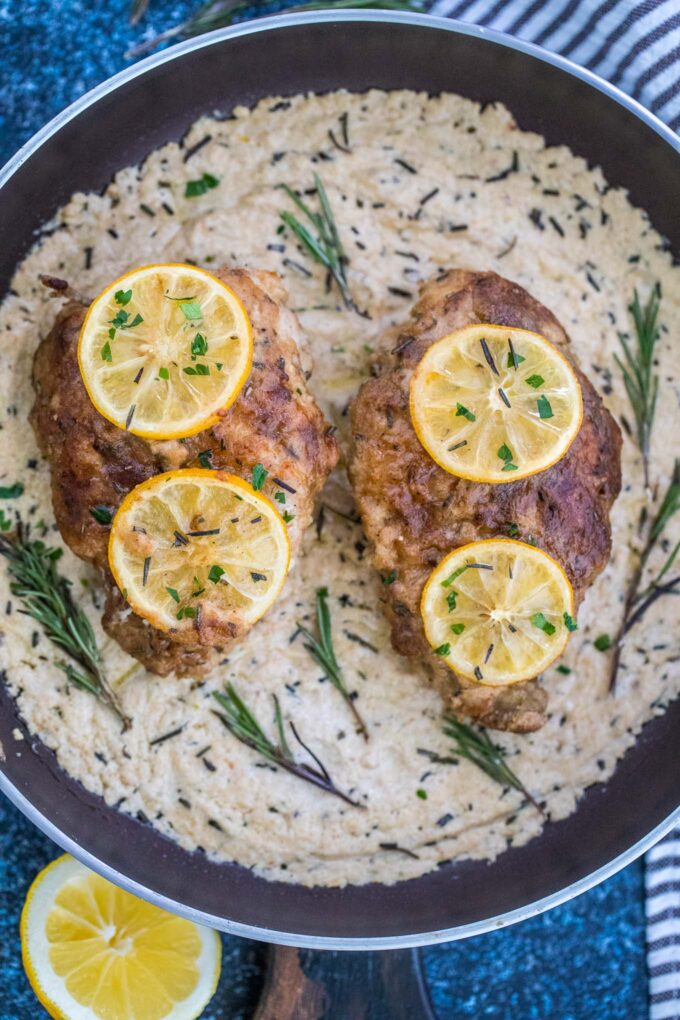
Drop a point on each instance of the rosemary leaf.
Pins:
(46, 597)
(637, 367)
(323, 653)
(475, 744)
(242, 724)
(326, 247)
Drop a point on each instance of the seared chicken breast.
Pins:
(414, 512)
(274, 421)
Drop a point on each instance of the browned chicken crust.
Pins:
(414, 512)
(274, 421)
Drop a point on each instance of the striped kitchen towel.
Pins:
(635, 44)
(662, 879)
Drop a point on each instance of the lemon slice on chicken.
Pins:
(498, 611)
(494, 404)
(93, 952)
(164, 350)
(198, 548)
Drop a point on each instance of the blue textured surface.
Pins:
(583, 961)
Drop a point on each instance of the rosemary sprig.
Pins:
(637, 366)
(325, 245)
(220, 13)
(46, 596)
(636, 602)
(243, 725)
(475, 744)
(323, 653)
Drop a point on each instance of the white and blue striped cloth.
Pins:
(634, 44)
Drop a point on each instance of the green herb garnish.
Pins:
(320, 236)
(191, 309)
(102, 514)
(422, 794)
(444, 649)
(457, 628)
(565, 670)
(243, 725)
(173, 593)
(194, 189)
(637, 367)
(215, 573)
(106, 352)
(199, 345)
(603, 642)
(544, 408)
(259, 476)
(513, 530)
(198, 369)
(540, 621)
(505, 454)
(390, 578)
(287, 517)
(122, 297)
(535, 381)
(46, 597)
(11, 491)
(475, 745)
(569, 622)
(163, 373)
(462, 411)
(322, 651)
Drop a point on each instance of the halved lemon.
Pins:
(498, 611)
(197, 548)
(164, 349)
(91, 950)
(494, 404)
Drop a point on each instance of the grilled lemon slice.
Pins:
(94, 952)
(197, 547)
(498, 611)
(494, 404)
(164, 349)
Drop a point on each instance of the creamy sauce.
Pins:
(428, 183)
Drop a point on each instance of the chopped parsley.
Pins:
(443, 649)
(390, 578)
(187, 611)
(102, 514)
(513, 530)
(205, 458)
(514, 359)
(163, 373)
(106, 352)
(215, 573)
(198, 369)
(199, 345)
(11, 491)
(539, 620)
(544, 408)
(535, 381)
(570, 623)
(5, 523)
(422, 794)
(451, 600)
(191, 309)
(280, 497)
(122, 297)
(505, 454)
(564, 670)
(457, 628)
(288, 517)
(119, 320)
(603, 642)
(173, 593)
(259, 476)
(462, 411)
(448, 581)
(194, 189)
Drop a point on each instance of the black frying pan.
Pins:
(155, 102)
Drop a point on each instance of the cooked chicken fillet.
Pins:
(275, 421)
(414, 512)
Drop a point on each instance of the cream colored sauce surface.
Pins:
(552, 225)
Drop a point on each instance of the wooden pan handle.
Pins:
(306, 985)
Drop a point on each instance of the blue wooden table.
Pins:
(582, 961)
